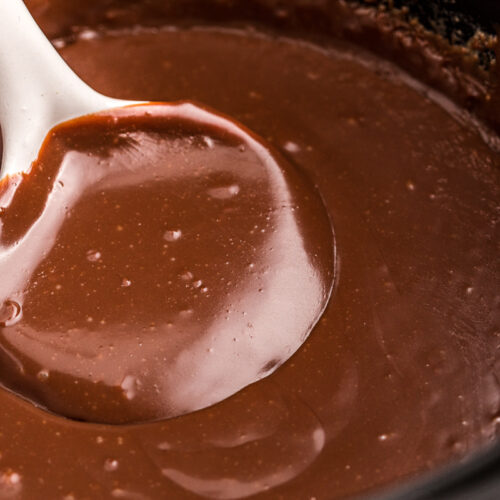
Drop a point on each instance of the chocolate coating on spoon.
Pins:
(157, 260)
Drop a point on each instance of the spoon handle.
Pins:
(37, 88)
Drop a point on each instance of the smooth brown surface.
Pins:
(164, 259)
(401, 373)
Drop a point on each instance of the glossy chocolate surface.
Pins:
(164, 258)
(401, 373)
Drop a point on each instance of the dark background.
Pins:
(456, 20)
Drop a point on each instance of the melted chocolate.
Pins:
(401, 373)
(164, 259)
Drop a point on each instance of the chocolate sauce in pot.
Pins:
(400, 374)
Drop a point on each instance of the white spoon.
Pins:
(242, 335)
(38, 89)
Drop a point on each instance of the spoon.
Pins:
(196, 259)
(38, 89)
